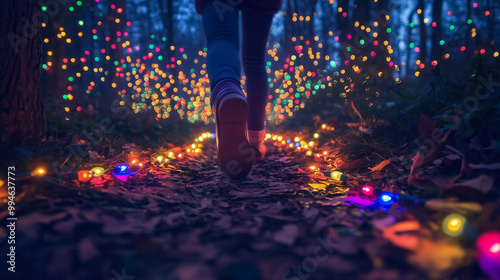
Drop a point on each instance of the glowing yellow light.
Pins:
(97, 171)
(323, 126)
(40, 171)
(193, 146)
(312, 167)
(296, 139)
(311, 143)
(308, 153)
(453, 224)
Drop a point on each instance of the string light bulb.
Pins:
(337, 175)
(367, 190)
(453, 224)
(488, 253)
(386, 198)
(84, 175)
(97, 171)
(121, 168)
(39, 172)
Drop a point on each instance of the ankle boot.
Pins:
(256, 138)
(234, 152)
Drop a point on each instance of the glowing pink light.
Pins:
(417, 49)
(118, 33)
(336, 38)
(157, 49)
(346, 62)
(474, 5)
(291, 68)
(125, 33)
(129, 50)
(113, 6)
(391, 63)
(462, 48)
(87, 52)
(172, 59)
(349, 36)
(181, 49)
(372, 53)
(367, 190)
(137, 48)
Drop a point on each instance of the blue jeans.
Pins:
(220, 22)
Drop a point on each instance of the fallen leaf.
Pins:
(287, 235)
(482, 183)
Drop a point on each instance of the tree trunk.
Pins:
(437, 8)
(22, 118)
(423, 33)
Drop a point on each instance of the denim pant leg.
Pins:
(255, 34)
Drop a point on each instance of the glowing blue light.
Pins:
(297, 144)
(121, 168)
(212, 135)
(387, 198)
(288, 141)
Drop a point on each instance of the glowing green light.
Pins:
(412, 25)
(151, 46)
(152, 36)
(160, 57)
(80, 22)
(469, 21)
(293, 57)
(94, 37)
(164, 39)
(441, 42)
(271, 85)
(70, 79)
(44, 8)
(348, 49)
(412, 45)
(362, 42)
(44, 66)
(65, 96)
(71, 9)
(297, 95)
(452, 27)
(96, 59)
(389, 30)
(333, 64)
(79, 3)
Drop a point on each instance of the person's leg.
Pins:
(228, 103)
(221, 31)
(255, 34)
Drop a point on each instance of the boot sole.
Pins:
(236, 155)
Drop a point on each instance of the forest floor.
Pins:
(186, 220)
